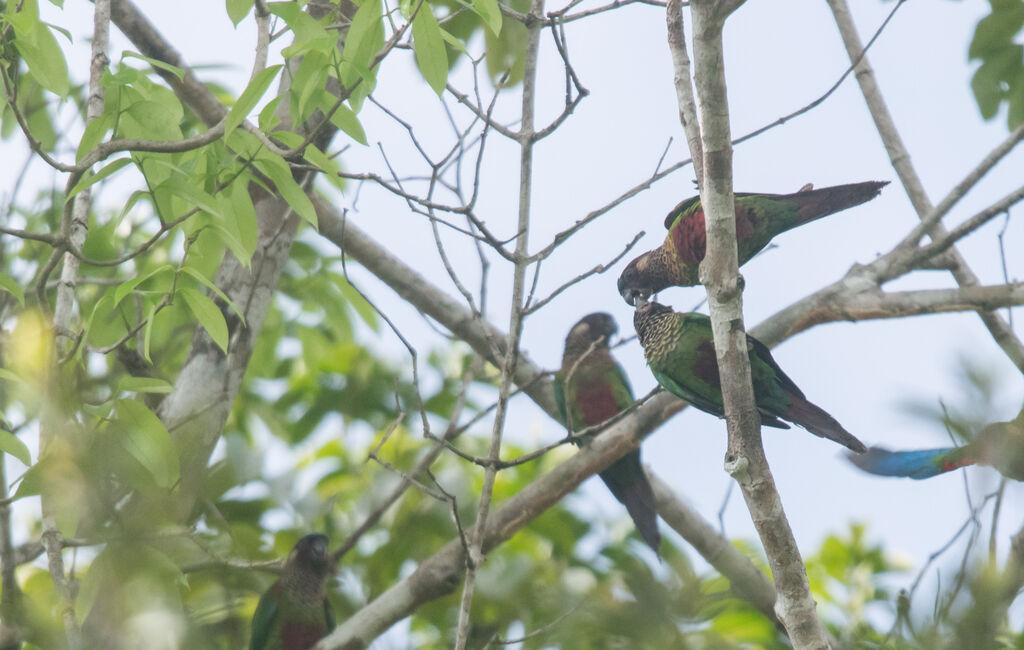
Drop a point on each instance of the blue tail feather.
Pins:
(919, 464)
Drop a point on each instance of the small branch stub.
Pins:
(737, 466)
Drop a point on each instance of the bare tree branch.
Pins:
(527, 139)
(900, 158)
(719, 272)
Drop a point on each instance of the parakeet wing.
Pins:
(262, 620)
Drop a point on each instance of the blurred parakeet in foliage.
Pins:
(294, 613)
(759, 218)
(1000, 445)
(591, 388)
(680, 351)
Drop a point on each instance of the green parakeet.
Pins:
(590, 388)
(680, 351)
(759, 218)
(294, 613)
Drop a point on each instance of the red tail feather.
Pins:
(820, 423)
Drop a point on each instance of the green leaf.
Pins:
(329, 166)
(490, 13)
(32, 481)
(147, 333)
(102, 567)
(8, 375)
(144, 385)
(279, 172)
(453, 42)
(128, 286)
(344, 119)
(156, 63)
(309, 34)
(153, 119)
(91, 179)
(11, 444)
(307, 82)
(357, 302)
(238, 9)
(251, 95)
(206, 282)
(244, 215)
(39, 49)
(428, 45)
(10, 285)
(269, 119)
(987, 87)
(146, 439)
(1015, 116)
(182, 186)
(208, 315)
(365, 38)
(94, 133)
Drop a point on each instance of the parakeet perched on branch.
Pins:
(759, 218)
(1000, 445)
(680, 351)
(294, 613)
(590, 388)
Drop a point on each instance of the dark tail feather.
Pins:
(815, 204)
(820, 423)
(628, 483)
(923, 463)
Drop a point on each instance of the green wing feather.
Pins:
(706, 402)
(621, 388)
(329, 615)
(263, 620)
(691, 204)
(760, 352)
(559, 387)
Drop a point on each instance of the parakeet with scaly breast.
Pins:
(680, 351)
(759, 218)
(294, 613)
(590, 388)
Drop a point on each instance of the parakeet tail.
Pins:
(923, 463)
(822, 424)
(815, 204)
(628, 483)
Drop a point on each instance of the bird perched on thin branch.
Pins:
(294, 613)
(680, 351)
(590, 388)
(759, 218)
(1000, 445)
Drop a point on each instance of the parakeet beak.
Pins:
(639, 300)
(631, 295)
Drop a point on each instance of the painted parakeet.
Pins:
(294, 613)
(591, 388)
(759, 218)
(1000, 445)
(680, 351)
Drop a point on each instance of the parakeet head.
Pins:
(594, 329)
(310, 554)
(645, 316)
(633, 279)
(646, 307)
